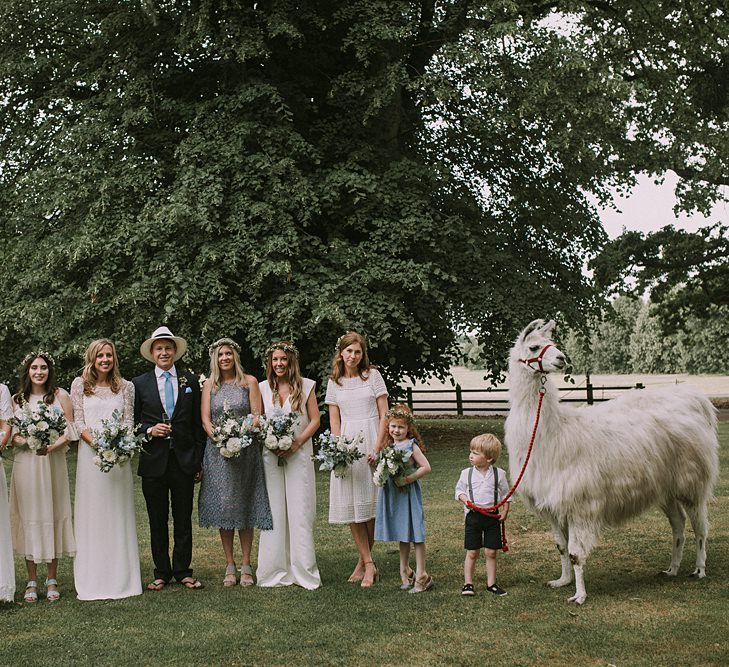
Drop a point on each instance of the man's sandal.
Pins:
(191, 583)
(156, 585)
(52, 595)
(31, 596)
(246, 571)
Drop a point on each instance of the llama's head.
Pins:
(534, 349)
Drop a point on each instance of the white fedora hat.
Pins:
(162, 333)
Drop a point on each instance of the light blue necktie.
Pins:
(169, 394)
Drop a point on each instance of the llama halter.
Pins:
(537, 359)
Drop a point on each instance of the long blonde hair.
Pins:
(343, 342)
(293, 374)
(89, 374)
(240, 376)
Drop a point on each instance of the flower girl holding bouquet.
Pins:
(400, 502)
(40, 500)
(286, 553)
(107, 559)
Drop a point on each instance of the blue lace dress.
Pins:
(400, 513)
(233, 491)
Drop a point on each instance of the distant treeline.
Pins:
(629, 339)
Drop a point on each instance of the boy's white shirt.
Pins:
(483, 486)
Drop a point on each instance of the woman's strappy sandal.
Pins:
(426, 583)
(246, 570)
(406, 586)
(53, 595)
(31, 596)
(230, 578)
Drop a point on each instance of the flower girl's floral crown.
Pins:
(289, 348)
(38, 353)
(400, 414)
(223, 341)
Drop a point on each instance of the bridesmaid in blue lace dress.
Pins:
(233, 491)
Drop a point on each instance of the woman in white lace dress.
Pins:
(357, 400)
(107, 557)
(40, 499)
(7, 563)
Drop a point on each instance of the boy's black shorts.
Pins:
(481, 531)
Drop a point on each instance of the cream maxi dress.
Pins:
(353, 498)
(107, 555)
(40, 500)
(7, 562)
(286, 553)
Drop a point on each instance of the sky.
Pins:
(650, 207)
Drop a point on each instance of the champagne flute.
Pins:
(166, 420)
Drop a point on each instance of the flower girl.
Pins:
(400, 501)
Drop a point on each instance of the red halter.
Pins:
(538, 359)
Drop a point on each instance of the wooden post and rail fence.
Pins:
(463, 404)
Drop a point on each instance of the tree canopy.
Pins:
(411, 170)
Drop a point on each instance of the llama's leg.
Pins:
(699, 516)
(581, 541)
(677, 519)
(560, 537)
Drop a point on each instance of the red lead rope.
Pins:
(489, 511)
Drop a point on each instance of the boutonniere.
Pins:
(183, 385)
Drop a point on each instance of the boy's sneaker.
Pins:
(496, 590)
(468, 590)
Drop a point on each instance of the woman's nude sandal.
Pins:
(246, 571)
(375, 577)
(230, 578)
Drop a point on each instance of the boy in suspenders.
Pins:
(482, 484)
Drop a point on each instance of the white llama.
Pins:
(600, 465)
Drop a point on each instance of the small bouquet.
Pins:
(277, 431)
(231, 435)
(115, 443)
(390, 462)
(337, 452)
(40, 426)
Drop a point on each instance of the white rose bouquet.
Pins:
(278, 431)
(337, 452)
(40, 426)
(231, 435)
(390, 462)
(115, 442)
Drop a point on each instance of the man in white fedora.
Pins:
(167, 405)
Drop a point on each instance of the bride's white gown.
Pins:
(107, 557)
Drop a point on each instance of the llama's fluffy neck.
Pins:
(524, 386)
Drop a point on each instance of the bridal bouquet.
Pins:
(115, 442)
(278, 431)
(337, 452)
(390, 462)
(231, 435)
(40, 426)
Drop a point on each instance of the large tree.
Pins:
(265, 169)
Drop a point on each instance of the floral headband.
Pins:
(400, 414)
(346, 333)
(39, 353)
(289, 348)
(223, 341)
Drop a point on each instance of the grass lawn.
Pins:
(631, 617)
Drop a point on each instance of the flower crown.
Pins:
(38, 353)
(223, 341)
(400, 414)
(346, 333)
(289, 348)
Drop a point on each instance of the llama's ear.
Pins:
(548, 328)
(532, 326)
